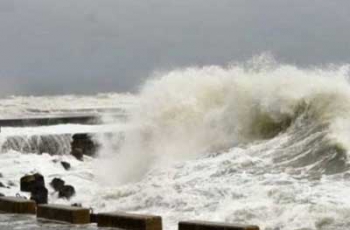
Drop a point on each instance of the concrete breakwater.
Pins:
(119, 220)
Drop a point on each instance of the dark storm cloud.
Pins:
(87, 46)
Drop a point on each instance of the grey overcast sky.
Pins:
(89, 46)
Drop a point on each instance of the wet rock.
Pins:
(26, 183)
(35, 184)
(66, 192)
(39, 180)
(57, 184)
(39, 194)
(65, 165)
(77, 153)
(83, 144)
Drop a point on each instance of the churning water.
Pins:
(259, 143)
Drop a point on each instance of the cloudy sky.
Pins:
(88, 46)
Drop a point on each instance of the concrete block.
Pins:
(129, 221)
(17, 205)
(205, 225)
(69, 214)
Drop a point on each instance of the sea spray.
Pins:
(278, 160)
(187, 113)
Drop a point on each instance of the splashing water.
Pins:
(259, 143)
(187, 113)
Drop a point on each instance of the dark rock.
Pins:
(39, 194)
(57, 184)
(1, 176)
(77, 153)
(65, 165)
(36, 185)
(66, 192)
(83, 144)
(39, 180)
(28, 182)
(1, 195)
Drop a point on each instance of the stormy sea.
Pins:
(257, 143)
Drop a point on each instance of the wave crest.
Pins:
(187, 112)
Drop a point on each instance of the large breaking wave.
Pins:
(189, 112)
(258, 143)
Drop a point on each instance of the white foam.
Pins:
(62, 129)
(188, 112)
(197, 150)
